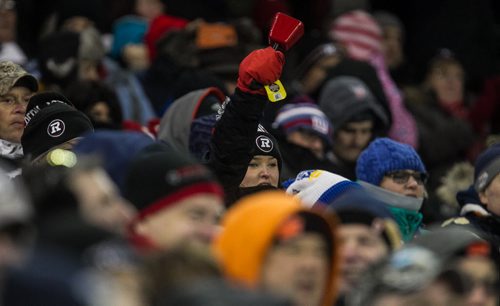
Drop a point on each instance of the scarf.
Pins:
(11, 150)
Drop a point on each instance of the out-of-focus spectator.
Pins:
(393, 33)
(177, 199)
(98, 101)
(368, 234)
(293, 252)
(305, 136)
(115, 149)
(128, 46)
(327, 61)
(361, 37)
(69, 221)
(9, 47)
(441, 108)
(423, 271)
(66, 56)
(190, 276)
(17, 232)
(481, 203)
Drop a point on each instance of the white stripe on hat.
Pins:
(357, 38)
(299, 111)
(361, 23)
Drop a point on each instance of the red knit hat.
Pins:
(158, 28)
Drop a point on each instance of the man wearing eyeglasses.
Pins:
(394, 173)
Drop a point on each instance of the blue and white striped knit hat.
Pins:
(304, 116)
(319, 186)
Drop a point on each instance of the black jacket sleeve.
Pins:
(233, 140)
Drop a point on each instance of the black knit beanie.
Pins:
(159, 176)
(51, 120)
(266, 144)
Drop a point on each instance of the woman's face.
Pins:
(447, 81)
(262, 170)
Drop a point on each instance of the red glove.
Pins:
(261, 67)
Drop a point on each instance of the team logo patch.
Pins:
(264, 143)
(56, 128)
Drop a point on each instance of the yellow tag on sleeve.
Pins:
(275, 92)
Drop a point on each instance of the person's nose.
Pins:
(20, 107)
(359, 139)
(264, 172)
(349, 250)
(477, 296)
(310, 262)
(412, 182)
(206, 231)
(316, 144)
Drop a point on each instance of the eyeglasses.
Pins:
(402, 177)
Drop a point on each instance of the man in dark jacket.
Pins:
(481, 202)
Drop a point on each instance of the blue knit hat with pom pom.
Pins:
(385, 155)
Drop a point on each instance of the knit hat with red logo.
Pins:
(51, 120)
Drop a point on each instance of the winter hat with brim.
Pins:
(384, 155)
(159, 177)
(51, 120)
(487, 167)
(12, 74)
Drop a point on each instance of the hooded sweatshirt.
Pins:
(249, 228)
(175, 125)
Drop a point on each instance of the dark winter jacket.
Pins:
(233, 141)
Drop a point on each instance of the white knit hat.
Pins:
(319, 186)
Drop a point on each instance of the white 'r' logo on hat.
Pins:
(264, 143)
(56, 128)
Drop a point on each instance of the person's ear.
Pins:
(483, 198)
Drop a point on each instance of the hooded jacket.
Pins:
(249, 228)
(342, 98)
(175, 125)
